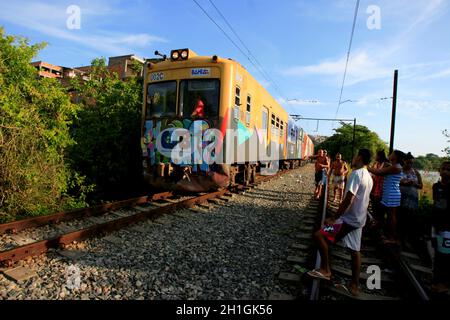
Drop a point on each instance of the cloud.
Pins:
(50, 20)
(361, 68)
(300, 102)
(421, 108)
(440, 74)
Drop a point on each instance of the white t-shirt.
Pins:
(360, 185)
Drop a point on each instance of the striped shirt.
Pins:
(391, 189)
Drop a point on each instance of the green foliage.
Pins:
(35, 115)
(447, 148)
(107, 131)
(342, 140)
(430, 162)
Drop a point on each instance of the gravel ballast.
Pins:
(229, 251)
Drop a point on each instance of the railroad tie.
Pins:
(20, 240)
(365, 260)
(296, 259)
(362, 295)
(72, 254)
(300, 246)
(19, 274)
(289, 277)
(281, 296)
(385, 277)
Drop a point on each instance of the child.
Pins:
(441, 230)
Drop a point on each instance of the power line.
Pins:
(235, 44)
(348, 56)
(248, 50)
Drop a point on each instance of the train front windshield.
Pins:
(203, 93)
(162, 99)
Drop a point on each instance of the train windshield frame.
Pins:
(208, 90)
(161, 99)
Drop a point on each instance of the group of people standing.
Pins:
(335, 171)
(391, 185)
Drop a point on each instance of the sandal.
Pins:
(342, 287)
(319, 275)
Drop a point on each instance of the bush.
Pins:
(107, 132)
(34, 133)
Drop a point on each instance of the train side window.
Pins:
(273, 125)
(281, 128)
(265, 120)
(237, 102)
(248, 113)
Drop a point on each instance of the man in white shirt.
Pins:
(348, 222)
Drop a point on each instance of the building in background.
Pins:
(124, 66)
(47, 70)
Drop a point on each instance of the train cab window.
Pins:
(281, 127)
(161, 99)
(199, 98)
(237, 103)
(248, 113)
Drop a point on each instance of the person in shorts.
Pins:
(321, 167)
(339, 170)
(346, 227)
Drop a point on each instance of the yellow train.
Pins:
(188, 93)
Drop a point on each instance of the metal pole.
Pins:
(354, 135)
(394, 109)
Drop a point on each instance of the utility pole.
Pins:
(354, 135)
(394, 109)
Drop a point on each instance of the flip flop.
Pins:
(318, 274)
(343, 288)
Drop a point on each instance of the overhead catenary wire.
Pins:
(237, 46)
(248, 50)
(348, 56)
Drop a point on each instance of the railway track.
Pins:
(403, 275)
(34, 236)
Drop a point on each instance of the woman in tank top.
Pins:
(377, 191)
(391, 197)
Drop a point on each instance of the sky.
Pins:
(300, 47)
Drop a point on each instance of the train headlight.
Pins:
(175, 55)
(184, 54)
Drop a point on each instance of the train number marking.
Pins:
(157, 76)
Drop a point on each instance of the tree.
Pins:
(107, 131)
(447, 149)
(35, 115)
(341, 141)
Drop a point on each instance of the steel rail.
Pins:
(34, 222)
(8, 257)
(314, 295)
(408, 274)
(13, 255)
